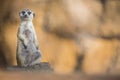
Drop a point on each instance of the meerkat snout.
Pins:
(26, 15)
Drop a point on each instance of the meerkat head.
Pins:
(26, 15)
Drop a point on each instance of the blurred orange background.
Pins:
(73, 35)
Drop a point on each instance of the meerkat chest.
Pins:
(28, 31)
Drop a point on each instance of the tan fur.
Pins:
(27, 47)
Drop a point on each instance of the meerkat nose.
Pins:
(25, 15)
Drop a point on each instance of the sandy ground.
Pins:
(53, 76)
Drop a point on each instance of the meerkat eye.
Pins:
(29, 13)
(23, 12)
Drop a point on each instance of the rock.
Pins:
(41, 67)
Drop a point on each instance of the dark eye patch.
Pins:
(29, 13)
(23, 12)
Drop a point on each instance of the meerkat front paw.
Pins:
(25, 46)
(25, 43)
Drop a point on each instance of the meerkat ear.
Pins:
(33, 14)
(19, 13)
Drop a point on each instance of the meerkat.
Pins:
(27, 53)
